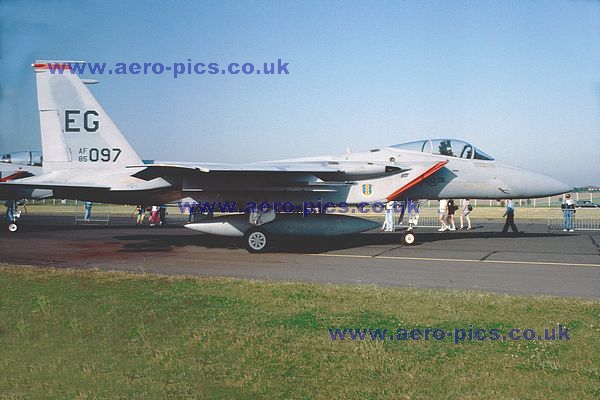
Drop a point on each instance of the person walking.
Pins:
(450, 218)
(465, 208)
(510, 217)
(154, 218)
(442, 209)
(388, 224)
(10, 211)
(139, 214)
(191, 209)
(148, 213)
(568, 207)
(87, 206)
(162, 214)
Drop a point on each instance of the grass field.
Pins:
(87, 335)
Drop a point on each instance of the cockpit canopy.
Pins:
(446, 147)
(23, 158)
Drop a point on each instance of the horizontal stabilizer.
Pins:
(57, 181)
(51, 185)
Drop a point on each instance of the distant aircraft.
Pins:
(14, 166)
(19, 165)
(86, 157)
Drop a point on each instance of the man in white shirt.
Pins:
(389, 225)
(510, 217)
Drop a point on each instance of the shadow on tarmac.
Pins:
(164, 243)
(165, 239)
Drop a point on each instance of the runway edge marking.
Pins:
(458, 260)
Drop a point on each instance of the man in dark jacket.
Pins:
(568, 207)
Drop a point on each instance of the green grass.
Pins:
(87, 335)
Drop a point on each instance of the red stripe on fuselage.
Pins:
(16, 175)
(418, 179)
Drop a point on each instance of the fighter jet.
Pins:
(20, 164)
(86, 157)
(14, 166)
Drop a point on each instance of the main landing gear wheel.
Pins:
(13, 227)
(257, 240)
(409, 238)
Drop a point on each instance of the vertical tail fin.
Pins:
(76, 131)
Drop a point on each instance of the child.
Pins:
(139, 213)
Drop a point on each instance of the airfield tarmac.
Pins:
(534, 262)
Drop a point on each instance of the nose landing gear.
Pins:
(408, 238)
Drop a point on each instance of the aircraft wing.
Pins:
(390, 180)
(325, 170)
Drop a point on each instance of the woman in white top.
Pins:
(466, 209)
(442, 214)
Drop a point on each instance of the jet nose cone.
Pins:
(542, 185)
(522, 183)
(561, 187)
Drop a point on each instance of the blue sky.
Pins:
(521, 80)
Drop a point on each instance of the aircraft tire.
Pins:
(257, 240)
(409, 238)
(12, 227)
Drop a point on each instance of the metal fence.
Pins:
(176, 217)
(584, 219)
(553, 201)
(426, 218)
(100, 213)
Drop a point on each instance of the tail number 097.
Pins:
(99, 155)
